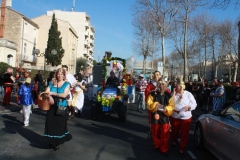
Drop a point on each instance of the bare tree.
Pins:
(187, 6)
(227, 36)
(225, 3)
(162, 12)
(146, 37)
(202, 24)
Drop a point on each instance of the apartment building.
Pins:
(18, 35)
(69, 41)
(85, 32)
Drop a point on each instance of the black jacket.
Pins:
(162, 99)
(113, 81)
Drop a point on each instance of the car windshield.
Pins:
(233, 112)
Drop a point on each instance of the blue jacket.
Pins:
(25, 94)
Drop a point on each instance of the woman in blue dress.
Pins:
(56, 131)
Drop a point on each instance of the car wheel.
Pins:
(198, 136)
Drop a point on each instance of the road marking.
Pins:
(191, 154)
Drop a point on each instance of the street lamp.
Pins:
(38, 54)
(171, 71)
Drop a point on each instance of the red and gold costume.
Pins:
(160, 128)
(150, 88)
(8, 85)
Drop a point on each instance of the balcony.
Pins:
(28, 58)
(91, 44)
(92, 37)
(86, 46)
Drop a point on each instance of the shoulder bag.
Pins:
(60, 109)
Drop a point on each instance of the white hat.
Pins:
(141, 75)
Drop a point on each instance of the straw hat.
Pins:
(28, 80)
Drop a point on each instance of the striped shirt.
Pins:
(141, 85)
(218, 102)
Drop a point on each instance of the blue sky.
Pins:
(111, 19)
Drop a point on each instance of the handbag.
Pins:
(60, 109)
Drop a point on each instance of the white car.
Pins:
(219, 132)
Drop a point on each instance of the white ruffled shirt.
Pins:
(180, 103)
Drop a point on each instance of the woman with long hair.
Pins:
(56, 131)
(184, 103)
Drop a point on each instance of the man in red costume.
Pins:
(151, 87)
(160, 108)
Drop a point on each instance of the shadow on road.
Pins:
(14, 126)
(138, 143)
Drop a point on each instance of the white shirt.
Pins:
(180, 103)
(118, 71)
(71, 79)
(90, 80)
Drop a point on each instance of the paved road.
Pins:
(105, 139)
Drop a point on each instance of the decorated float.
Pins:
(111, 99)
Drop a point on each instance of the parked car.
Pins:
(219, 132)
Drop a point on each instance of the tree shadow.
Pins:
(14, 126)
(138, 144)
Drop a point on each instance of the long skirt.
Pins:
(56, 131)
(7, 96)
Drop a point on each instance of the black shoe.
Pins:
(56, 148)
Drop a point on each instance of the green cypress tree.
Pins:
(54, 42)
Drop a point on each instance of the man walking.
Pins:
(141, 85)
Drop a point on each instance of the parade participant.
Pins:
(56, 131)
(219, 97)
(89, 85)
(151, 87)
(117, 68)
(184, 103)
(78, 98)
(26, 100)
(39, 81)
(235, 93)
(141, 85)
(160, 108)
(72, 80)
(1, 85)
(8, 81)
(112, 80)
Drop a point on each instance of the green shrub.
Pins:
(3, 67)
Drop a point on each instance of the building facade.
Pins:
(22, 32)
(8, 50)
(69, 41)
(85, 32)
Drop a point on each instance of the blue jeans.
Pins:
(141, 100)
(2, 91)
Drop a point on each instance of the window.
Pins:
(25, 47)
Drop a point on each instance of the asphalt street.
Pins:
(104, 139)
